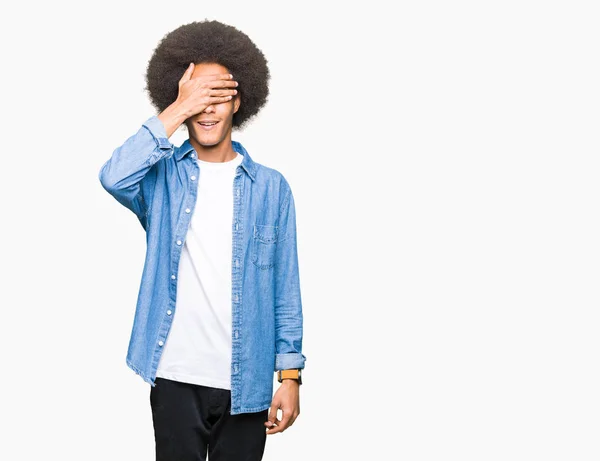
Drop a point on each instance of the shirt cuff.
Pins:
(289, 361)
(158, 132)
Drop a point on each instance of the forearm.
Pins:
(173, 116)
(288, 318)
(288, 300)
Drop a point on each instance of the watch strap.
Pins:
(289, 374)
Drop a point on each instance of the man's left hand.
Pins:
(287, 398)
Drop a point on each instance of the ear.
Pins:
(236, 102)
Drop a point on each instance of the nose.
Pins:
(209, 109)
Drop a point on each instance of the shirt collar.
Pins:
(247, 163)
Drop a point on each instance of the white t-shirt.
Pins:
(198, 347)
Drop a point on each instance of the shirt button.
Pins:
(235, 334)
(235, 298)
(193, 178)
(187, 210)
(173, 276)
(236, 226)
(237, 263)
(169, 312)
(237, 192)
(178, 242)
(160, 343)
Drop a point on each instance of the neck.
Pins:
(221, 152)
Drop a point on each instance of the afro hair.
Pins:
(209, 42)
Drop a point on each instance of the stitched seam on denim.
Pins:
(284, 204)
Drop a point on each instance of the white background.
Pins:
(444, 161)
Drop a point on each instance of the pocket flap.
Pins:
(266, 233)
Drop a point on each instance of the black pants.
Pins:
(190, 420)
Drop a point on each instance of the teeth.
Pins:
(208, 124)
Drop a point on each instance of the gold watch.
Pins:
(295, 373)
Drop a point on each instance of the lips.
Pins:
(207, 124)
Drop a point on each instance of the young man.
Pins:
(219, 307)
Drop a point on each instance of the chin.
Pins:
(207, 142)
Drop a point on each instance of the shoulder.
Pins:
(274, 184)
(272, 178)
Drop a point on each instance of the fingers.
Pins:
(213, 80)
(218, 100)
(187, 75)
(217, 77)
(217, 96)
(222, 92)
(273, 413)
(286, 421)
(197, 93)
(275, 428)
(272, 421)
(219, 82)
(214, 77)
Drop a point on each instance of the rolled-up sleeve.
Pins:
(288, 301)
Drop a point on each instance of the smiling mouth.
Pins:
(208, 125)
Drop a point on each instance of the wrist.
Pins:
(291, 374)
(173, 117)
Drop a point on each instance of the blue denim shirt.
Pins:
(158, 182)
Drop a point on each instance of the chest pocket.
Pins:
(264, 244)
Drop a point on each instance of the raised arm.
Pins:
(122, 174)
(130, 164)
